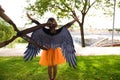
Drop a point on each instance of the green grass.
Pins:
(89, 68)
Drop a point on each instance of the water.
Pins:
(93, 38)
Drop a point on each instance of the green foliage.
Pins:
(110, 29)
(20, 40)
(117, 29)
(107, 6)
(119, 4)
(62, 8)
(88, 68)
(6, 31)
(56, 6)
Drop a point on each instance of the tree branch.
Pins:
(90, 6)
(33, 20)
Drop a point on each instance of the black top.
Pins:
(47, 31)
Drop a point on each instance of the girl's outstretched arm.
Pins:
(70, 23)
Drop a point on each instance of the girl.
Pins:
(59, 45)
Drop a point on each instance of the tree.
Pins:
(66, 8)
(6, 31)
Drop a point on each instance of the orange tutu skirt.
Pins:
(52, 57)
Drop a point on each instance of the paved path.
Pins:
(99, 51)
(80, 51)
(12, 52)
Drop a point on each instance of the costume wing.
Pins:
(68, 47)
(63, 39)
(32, 50)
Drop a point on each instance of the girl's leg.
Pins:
(50, 72)
(54, 72)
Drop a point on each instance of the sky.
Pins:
(15, 10)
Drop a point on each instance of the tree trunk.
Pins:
(82, 34)
(82, 30)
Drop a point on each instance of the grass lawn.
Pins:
(89, 68)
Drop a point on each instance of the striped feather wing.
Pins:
(32, 50)
(68, 48)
